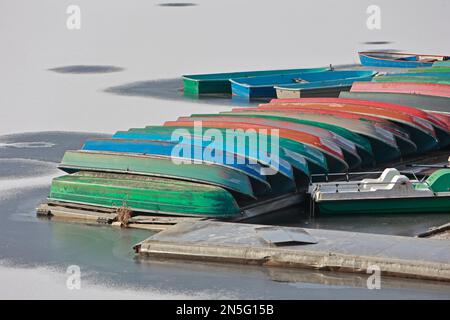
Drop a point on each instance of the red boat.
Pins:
(431, 89)
(421, 132)
(401, 138)
(439, 125)
(444, 117)
(333, 153)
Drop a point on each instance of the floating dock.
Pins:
(300, 248)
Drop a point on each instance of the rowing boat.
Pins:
(406, 103)
(431, 89)
(363, 146)
(383, 142)
(264, 87)
(418, 115)
(391, 192)
(392, 137)
(196, 84)
(160, 166)
(422, 133)
(333, 153)
(398, 60)
(420, 79)
(328, 88)
(144, 194)
(424, 102)
(248, 150)
(348, 148)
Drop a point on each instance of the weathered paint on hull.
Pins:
(386, 206)
(187, 152)
(158, 166)
(147, 194)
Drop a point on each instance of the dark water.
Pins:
(106, 259)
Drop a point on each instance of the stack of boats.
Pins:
(340, 121)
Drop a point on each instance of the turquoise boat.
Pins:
(218, 83)
(148, 195)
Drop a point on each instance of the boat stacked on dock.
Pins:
(253, 160)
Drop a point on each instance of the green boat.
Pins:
(362, 144)
(441, 80)
(392, 192)
(159, 166)
(218, 83)
(144, 194)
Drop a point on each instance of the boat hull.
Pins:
(391, 60)
(146, 194)
(158, 166)
(431, 89)
(315, 83)
(218, 83)
(386, 206)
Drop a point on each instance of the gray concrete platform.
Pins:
(335, 250)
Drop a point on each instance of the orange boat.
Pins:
(421, 133)
(430, 89)
(334, 154)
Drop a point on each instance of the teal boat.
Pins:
(218, 83)
(392, 192)
(144, 194)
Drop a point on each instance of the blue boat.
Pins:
(282, 181)
(398, 60)
(264, 87)
(291, 153)
(327, 88)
